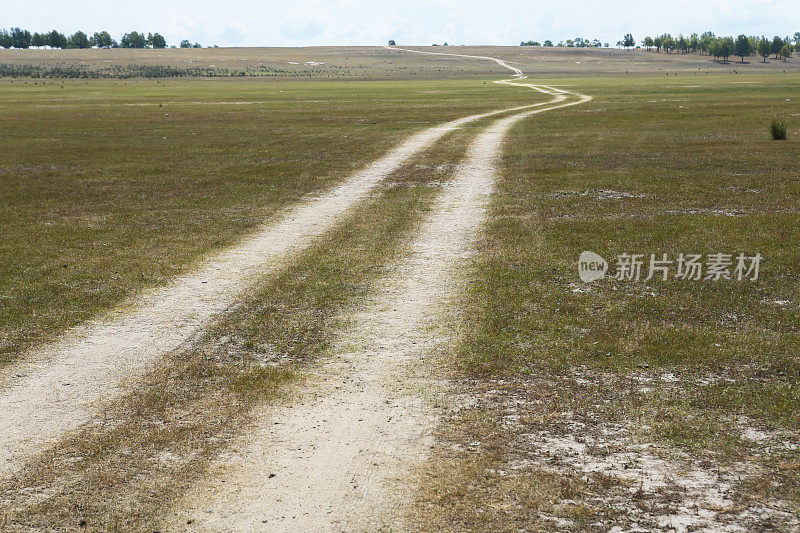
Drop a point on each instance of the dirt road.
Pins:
(338, 459)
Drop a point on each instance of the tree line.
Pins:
(19, 38)
(721, 48)
(725, 47)
(577, 42)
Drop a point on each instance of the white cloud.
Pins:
(231, 34)
(302, 26)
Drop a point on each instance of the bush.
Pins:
(777, 129)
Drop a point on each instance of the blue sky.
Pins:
(361, 22)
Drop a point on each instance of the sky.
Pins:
(409, 22)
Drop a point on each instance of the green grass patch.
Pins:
(107, 188)
(777, 129)
(657, 166)
(146, 448)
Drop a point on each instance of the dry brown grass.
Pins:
(127, 467)
(699, 380)
(325, 63)
(583, 62)
(482, 477)
(107, 188)
(378, 63)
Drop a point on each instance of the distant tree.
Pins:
(628, 41)
(5, 39)
(391, 42)
(705, 42)
(727, 47)
(797, 38)
(597, 44)
(197, 45)
(56, 39)
(648, 43)
(658, 42)
(157, 40)
(667, 43)
(38, 40)
(753, 45)
(682, 44)
(78, 40)
(570, 43)
(20, 38)
(714, 49)
(694, 43)
(785, 52)
(777, 44)
(185, 44)
(741, 47)
(548, 43)
(764, 48)
(133, 39)
(102, 40)
(721, 48)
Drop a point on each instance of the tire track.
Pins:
(336, 460)
(59, 386)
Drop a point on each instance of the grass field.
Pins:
(365, 63)
(574, 374)
(111, 187)
(197, 400)
(327, 63)
(651, 404)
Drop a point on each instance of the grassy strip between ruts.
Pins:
(129, 466)
(642, 404)
(108, 188)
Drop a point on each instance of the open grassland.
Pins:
(650, 404)
(365, 63)
(332, 63)
(643, 404)
(108, 187)
(540, 61)
(129, 467)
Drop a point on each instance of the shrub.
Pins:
(777, 128)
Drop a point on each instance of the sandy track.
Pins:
(517, 72)
(337, 460)
(59, 386)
